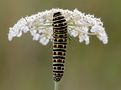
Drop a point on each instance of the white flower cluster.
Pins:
(40, 26)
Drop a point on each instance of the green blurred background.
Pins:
(26, 64)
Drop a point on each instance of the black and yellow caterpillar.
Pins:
(59, 45)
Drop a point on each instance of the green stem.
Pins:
(56, 85)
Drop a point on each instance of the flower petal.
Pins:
(44, 40)
(36, 37)
(72, 32)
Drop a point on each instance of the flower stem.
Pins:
(56, 85)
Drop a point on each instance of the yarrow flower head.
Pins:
(78, 25)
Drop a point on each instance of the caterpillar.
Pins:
(59, 45)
